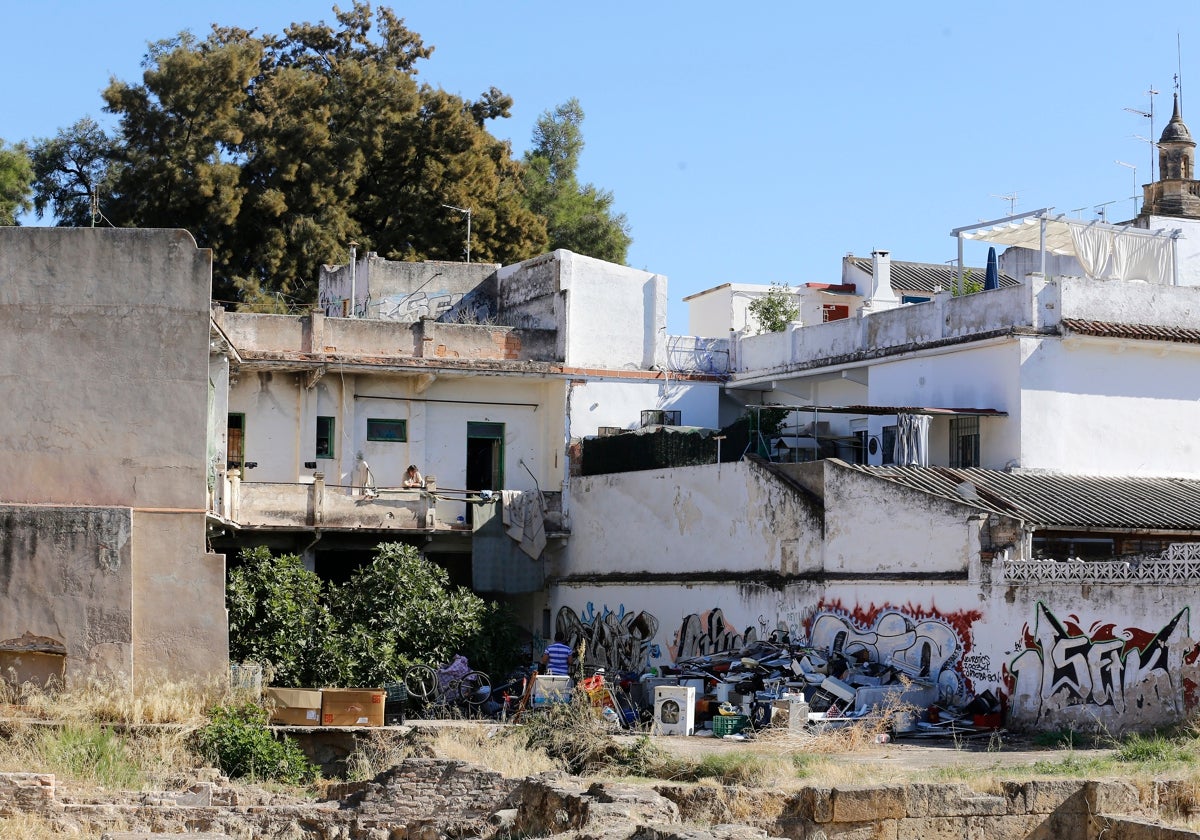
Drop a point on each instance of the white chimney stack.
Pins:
(881, 297)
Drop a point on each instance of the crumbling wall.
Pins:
(67, 573)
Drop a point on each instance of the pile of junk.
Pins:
(775, 683)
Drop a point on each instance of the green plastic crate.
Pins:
(728, 724)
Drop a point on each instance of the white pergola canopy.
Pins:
(1104, 251)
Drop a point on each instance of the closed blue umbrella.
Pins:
(991, 277)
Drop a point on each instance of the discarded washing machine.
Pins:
(674, 710)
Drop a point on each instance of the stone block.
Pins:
(1050, 796)
(880, 830)
(952, 800)
(1012, 827)
(1113, 798)
(816, 804)
(1014, 793)
(931, 828)
(864, 804)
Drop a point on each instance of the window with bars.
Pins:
(964, 442)
(325, 427)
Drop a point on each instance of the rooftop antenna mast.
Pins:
(1011, 198)
(1151, 93)
(1135, 183)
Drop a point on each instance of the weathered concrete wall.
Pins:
(875, 527)
(470, 341)
(67, 573)
(180, 625)
(614, 517)
(265, 333)
(408, 291)
(104, 335)
(364, 337)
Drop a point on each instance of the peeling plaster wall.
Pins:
(1079, 393)
(619, 520)
(67, 573)
(874, 526)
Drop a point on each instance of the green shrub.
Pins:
(396, 611)
(236, 739)
(277, 617)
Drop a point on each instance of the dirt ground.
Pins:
(1003, 751)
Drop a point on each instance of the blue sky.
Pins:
(752, 145)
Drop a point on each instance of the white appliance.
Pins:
(674, 710)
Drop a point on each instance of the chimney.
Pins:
(881, 297)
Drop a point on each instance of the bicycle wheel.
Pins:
(421, 682)
(474, 688)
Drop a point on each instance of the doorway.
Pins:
(485, 456)
(485, 459)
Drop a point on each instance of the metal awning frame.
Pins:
(1053, 225)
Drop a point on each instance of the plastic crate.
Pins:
(728, 724)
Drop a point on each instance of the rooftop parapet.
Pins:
(1037, 304)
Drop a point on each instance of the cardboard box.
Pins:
(352, 706)
(294, 706)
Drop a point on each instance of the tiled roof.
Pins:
(925, 277)
(1134, 331)
(1058, 500)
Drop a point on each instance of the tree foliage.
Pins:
(579, 217)
(277, 618)
(774, 310)
(16, 175)
(394, 612)
(277, 150)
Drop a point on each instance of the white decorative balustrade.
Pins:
(1180, 563)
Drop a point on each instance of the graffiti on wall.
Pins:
(1063, 673)
(702, 634)
(616, 640)
(923, 643)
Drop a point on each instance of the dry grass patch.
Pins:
(497, 748)
(109, 701)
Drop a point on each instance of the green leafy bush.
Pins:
(395, 611)
(277, 617)
(236, 739)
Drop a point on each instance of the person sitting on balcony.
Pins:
(413, 480)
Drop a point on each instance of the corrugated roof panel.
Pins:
(1050, 500)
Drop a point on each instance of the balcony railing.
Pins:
(285, 506)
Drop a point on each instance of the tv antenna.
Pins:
(1135, 183)
(1151, 93)
(466, 210)
(1011, 198)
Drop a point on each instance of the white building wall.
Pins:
(1097, 406)
(531, 410)
(986, 376)
(616, 316)
(731, 518)
(709, 312)
(620, 403)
